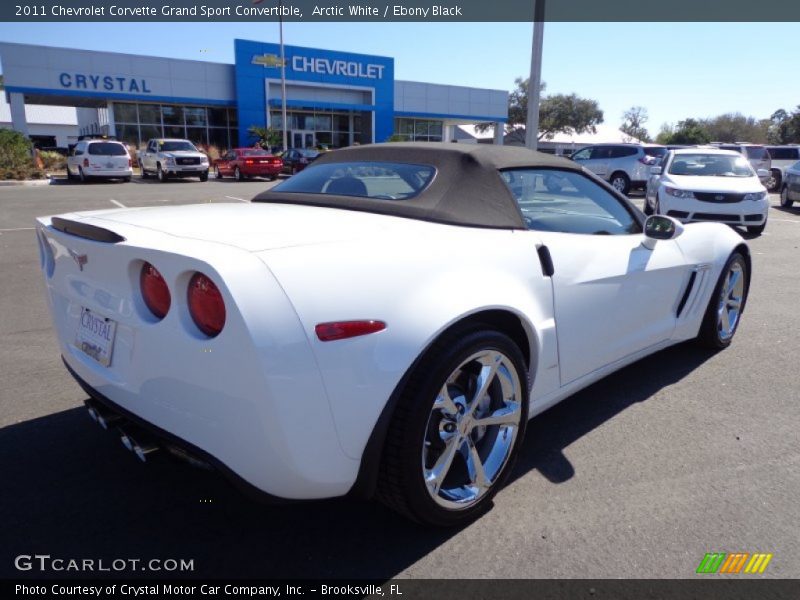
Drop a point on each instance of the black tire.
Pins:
(401, 483)
(70, 176)
(142, 173)
(237, 174)
(81, 177)
(217, 174)
(710, 334)
(161, 174)
(294, 170)
(204, 176)
(127, 179)
(757, 229)
(620, 182)
(785, 201)
(777, 179)
(273, 177)
(647, 208)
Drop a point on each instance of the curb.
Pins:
(27, 182)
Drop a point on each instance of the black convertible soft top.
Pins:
(467, 188)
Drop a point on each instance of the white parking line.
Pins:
(18, 229)
(117, 202)
(235, 198)
(784, 220)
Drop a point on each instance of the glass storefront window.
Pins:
(217, 117)
(322, 122)
(218, 137)
(125, 113)
(419, 130)
(150, 114)
(128, 133)
(197, 135)
(174, 131)
(173, 115)
(149, 131)
(233, 117)
(195, 116)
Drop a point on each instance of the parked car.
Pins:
(756, 154)
(99, 158)
(708, 184)
(382, 324)
(165, 158)
(241, 163)
(790, 186)
(781, 157)
(297, 159)
(624, 166)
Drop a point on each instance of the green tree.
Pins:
(633, 121)
(266, 137)
(558, 113)
(15, 149)
(735, 127)
(688, 132)
(784, 127)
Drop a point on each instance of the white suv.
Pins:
(99, 158)
(782, 158)
(624, 166)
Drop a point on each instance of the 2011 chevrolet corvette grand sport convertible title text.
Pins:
(384, 323)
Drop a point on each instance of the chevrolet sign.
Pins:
(267, 60)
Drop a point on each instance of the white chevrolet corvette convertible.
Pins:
(383, 323)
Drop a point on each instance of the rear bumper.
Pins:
(90, 172)
(261, 171)
(166, 439)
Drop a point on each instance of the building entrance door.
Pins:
(303, 139)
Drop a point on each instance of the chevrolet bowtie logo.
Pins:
(267, 60)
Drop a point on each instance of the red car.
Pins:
(241, 163)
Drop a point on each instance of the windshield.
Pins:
(107, 149)
(308, 153)
(710, 165)
(379, 180)
(176, 146)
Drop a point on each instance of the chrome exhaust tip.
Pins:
(142, 450)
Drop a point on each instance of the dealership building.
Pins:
(333, 98)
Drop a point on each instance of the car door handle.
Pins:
(545, 260)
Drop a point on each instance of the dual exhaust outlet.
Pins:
(132, 437)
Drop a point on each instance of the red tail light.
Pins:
(155, 292)
(85, 162)
(249, 161)
(206, 305)
(340, 330)
(130, 162)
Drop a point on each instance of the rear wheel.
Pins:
(142, 173)
(786, 202)
(126, 179)
(726, 304)
(83, 178)
(620, 182)
(217, 174)
(773, 184)
(457, 429)
(237, 174)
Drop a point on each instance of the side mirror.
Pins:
(660, 227)
(763, 173)
(655, 170)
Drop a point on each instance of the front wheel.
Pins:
(620, 182)
(726, 304)
(217, 174)
(162, 175)
(647, 208)
(204, 176)
(773, 184)
(786, 202)
(457, 428)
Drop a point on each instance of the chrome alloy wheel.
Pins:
(619, 184)
(471, 429)
(730, 301)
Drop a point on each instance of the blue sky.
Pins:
(675, 70)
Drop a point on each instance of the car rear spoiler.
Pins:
(86, 231)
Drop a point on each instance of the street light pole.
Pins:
(535, 80)
(283, 81)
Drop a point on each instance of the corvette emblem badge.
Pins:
(81, 259)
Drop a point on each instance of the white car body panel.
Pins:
(290, 414)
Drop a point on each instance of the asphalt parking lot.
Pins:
(682, 453)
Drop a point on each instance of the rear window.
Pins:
(308, 153)
(758, 152)
(781, 153)
(107, 149)
(655, 151)
(255, 152)
(378, 180)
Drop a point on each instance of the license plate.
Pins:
(109, 165)
(95, 336)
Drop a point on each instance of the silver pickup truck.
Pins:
(165, 158)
